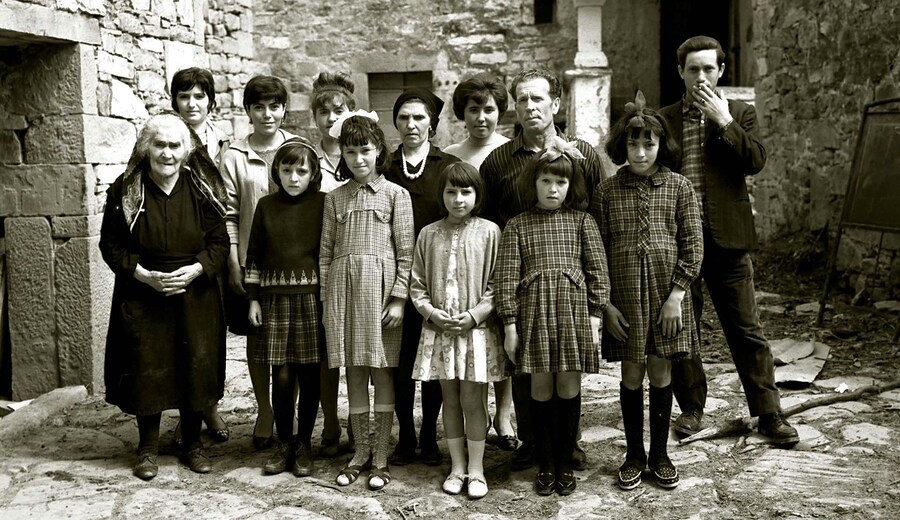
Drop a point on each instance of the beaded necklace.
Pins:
(416, 175)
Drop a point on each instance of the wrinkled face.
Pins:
(193, 105)
(459, 201)
(167, 151)
(294, 177)
(642, 151)
(362, 161)
(534, 106)
(266, 115)
(481, 119)
(413, 123)
(700, 68)
(327, 114)
(551, 190)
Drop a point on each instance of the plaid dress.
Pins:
(550, 277)
(366, 257)
(653, 237)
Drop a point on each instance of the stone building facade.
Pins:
(79, 77)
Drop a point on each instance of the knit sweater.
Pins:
(283, 250)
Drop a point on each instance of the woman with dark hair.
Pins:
(193, 98)
(480, 102)
(193, 93)
(164, 237)
(416, 166)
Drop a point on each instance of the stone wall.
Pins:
(819, 63)
(78, 79)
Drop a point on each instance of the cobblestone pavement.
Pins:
(77, 464)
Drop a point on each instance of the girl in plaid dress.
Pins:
(552, 286)
(650, 222)
(451, 288)
(282, 285)
(364, 264)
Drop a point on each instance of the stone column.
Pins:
(590, 80)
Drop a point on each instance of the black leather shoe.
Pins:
(303, 464)
(688, 423)
(197, 460)
(523, 457)
(279, 460)
(146, 467)
(565, 483)
(773, 426)
(402, 456)
(545, 483)
(507, 442)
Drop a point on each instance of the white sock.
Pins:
(457, 455)
(476, 458)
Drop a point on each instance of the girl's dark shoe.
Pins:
(261, 443)
(303, 464)
(402, 456)
(507, 442)
(665, 473)
(523, 457)
(630, 474)
(565, 483)
(330, 448)
(431, 456)
(545, 483)
(279, 460)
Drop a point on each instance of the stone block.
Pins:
(29, 250)
(151, 44)
(49, 22)
(78, 226)
(179, 55)
(275, 42)
(164, 9)
(60, 79)
(80, 139)
(491, 58)
(140, 5)
(10, 148)
(114, 65)
(83, 298)
(46, 189)
(38, 412)
(12, 121)
(245, 44)
(125, 104)
(151, 81)
(185, 10)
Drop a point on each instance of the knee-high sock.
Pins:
(543, 434)
(568, 415)
(660, 416)
(148, 433)
(284, 379)
(384, 420)
(457, 447)
(632, 403)
(476, 457)
(360, 422)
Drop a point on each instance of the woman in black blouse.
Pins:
(164, 237)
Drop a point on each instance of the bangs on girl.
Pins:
(290, 154)
(562, 166)
(461, 175)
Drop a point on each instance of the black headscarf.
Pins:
(432, 102)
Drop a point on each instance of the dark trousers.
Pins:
(405, 389)
(728, 275)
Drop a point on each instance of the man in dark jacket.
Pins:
(719, 148)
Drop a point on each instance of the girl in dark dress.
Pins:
(164, 237)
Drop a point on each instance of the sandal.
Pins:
(351, 473)
(454, 483)
(477, 488)
(666, 474)
(383, 478)
(630, 474)
(507, 442)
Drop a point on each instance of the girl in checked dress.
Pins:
(366, 256)
(451, 288)
(552, 287)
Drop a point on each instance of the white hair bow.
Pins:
(335, 130)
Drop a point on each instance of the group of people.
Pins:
(517, 262)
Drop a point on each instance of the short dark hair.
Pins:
(329, 86)
(617, 141)
(295, 151)
(264, 87)
(479, 90)
(461, 174)
(526, 75)
(576, 197)
(699, 43)
(186, 79)
(358, 131)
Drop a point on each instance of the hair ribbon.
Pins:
(558, 147)
(635, 111)
(335, 130)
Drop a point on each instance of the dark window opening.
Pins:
(544, 11)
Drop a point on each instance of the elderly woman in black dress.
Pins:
(164, 237)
